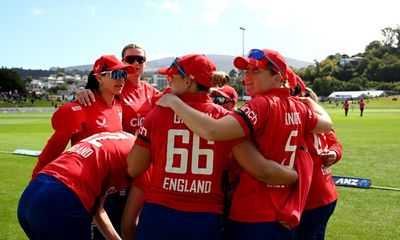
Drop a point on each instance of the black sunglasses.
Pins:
(135, 58)
(220, 100)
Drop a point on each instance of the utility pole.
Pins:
(243, 29)
(241, 73)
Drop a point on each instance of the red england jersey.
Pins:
(74, 122)
(277, 124)
(95, 166)
(187, 169)
(323, 189)
(136, 103)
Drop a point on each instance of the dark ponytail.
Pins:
(92, 82)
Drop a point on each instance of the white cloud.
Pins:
(215, 9)
(167, 5)
(36, 11)
(91, 9)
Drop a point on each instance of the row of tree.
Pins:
(377, 68)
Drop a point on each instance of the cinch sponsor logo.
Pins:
(142, 131)
(250, 114)
(137, 121)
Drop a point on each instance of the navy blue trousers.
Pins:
(159, 222)
(48, 209)
(313, 222)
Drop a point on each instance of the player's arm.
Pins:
(324, 123)
(225, 128)
(85, 97)
(335, 150)
(103, 222)
(133, 206)
(66, 121)
(139, 160)
(53, 149)
(267, 171)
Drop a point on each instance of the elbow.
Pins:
(210, 135)
(130, 171)
(263, 175)
(131, 168)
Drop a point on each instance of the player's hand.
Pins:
(166, 100)
(328, 158)
(85, 97)
(285, 225)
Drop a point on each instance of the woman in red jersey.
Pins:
(362, 105)
(185, 199)
(325, 151)
(346, 106)
(277, 124)
(74, 122)
(136, 97)
(136, 100)
(67, 194)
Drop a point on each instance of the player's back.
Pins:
(94, 165)
(187, 170)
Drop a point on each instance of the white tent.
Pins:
(356, 95)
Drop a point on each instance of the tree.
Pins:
(11, 81)
(326, 85)
(233, 74)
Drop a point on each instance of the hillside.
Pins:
(223, 62)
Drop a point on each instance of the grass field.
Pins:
(371, 149)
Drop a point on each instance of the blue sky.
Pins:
(40, 34)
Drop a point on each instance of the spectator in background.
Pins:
(362, 105)
(346, 106)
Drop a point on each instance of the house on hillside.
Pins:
(356, 95)
(159, 81)
(353, 60)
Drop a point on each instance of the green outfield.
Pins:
(371, 150)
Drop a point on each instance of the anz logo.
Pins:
(347, 181)
(352, 182)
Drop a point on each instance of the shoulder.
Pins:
(69, 114)
(69, 108)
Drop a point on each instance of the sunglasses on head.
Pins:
(258, 54)
(135, 58)
(116, 74)
(175, 64)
